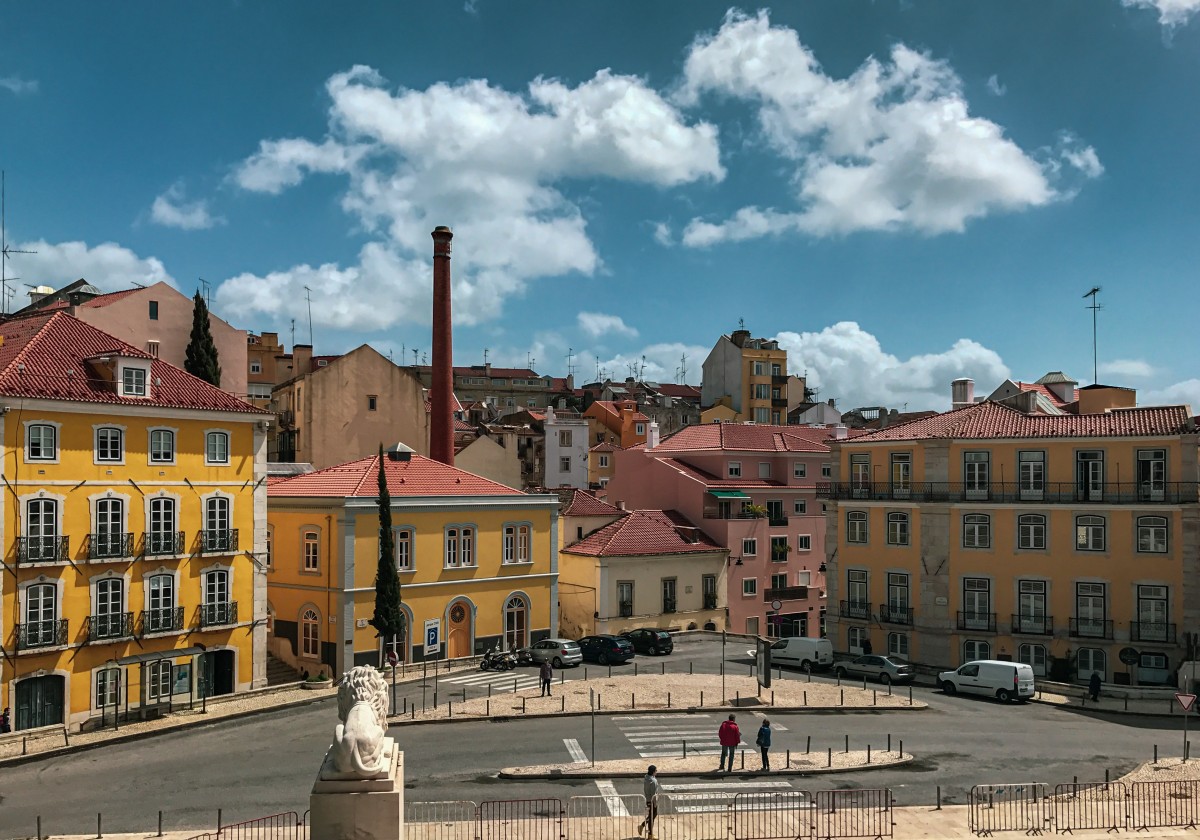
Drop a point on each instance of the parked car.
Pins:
(558, 652)
(606, 649)
(882, 668)
(803, 651)
(1006, 681)
(650, 640)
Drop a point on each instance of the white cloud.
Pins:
(597, 324)
(19, 86)
(660, 362)
(1186, 392)
(107, 266)
(662, 233)
(891, 147)
(488, 162)
(994, 87)
(1170, 12)
(846, 363)
(172, 209)
(1132, 368)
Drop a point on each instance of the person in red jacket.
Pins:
(730, 736)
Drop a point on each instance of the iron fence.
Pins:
(520, 819)
(612, 817)
(1091, 805)
(693, 816)
(771, 815)
(446, 820)
(1165, 804)
(1017, 807)
(285, 826)
(854, 813)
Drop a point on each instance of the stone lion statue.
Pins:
(358, 741)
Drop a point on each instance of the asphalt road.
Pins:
(266, 764)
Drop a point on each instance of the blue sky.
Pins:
(903, 192)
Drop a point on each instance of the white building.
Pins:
(566, 451)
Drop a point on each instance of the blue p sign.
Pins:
(431, 638)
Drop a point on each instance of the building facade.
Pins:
(566, 441)
(132, 530)
(506, 390)
(1059, 540)
(750, 376)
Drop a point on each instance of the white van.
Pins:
(1006, 681)
(802, 652)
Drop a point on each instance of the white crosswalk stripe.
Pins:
(775, 727)
(612, 799)
(662, 736)
(499, 682)
(713, 797)
(577, 754)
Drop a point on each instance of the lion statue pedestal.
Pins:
(359, 792)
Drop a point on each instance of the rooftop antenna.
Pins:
(415, 352)
(528, 360)
(206, 292)
(5, 251)
(598, 378)
(642, 370)
(1095, 307)
(741, 323)
(308, 297)
(424, 358)
(683, 369)
(485, 356)
(571, 361)
(293, 333)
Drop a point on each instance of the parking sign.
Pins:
(433, 633)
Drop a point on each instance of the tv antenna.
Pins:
(416, 352)
(683, 369)
(571, 361)
(529, 360)
(485, 356)
(5, 251)
(293, 333)
(206, 292)
(1095, 307)
(308, 298)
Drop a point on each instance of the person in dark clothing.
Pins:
(547, 673)
(5, 722)
(1094, 686)
(866, 647)
(650, 789)
(764, 743)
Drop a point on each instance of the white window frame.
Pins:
(827, 471)
(1035, 656)
(173, 435)
(733, 469)
(305, 623)
(97, 430)
(639, 428)
(898, 645)
(256, 366)
(603, 461)
(403, 538)
(43, 426)
(1153, 534)
(749, 547)
(212, 436)
(749, 587)
(804, 542)
(127, 380)
(799, 469)
(800, 507)
(903, 523)
(976, 649)
(516, 543)
(310, 551)
(1085, 540)
(1031, 532)
(976, 530)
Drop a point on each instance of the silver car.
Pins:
(883, 668)
(558, 652)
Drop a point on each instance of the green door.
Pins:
(39, 702)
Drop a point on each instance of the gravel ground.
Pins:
(674, 691)
(1167, 770)
(702, 765)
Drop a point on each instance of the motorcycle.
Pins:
(497, 660)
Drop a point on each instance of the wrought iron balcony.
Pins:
(43, 550)
(1033, 625)
(110, 546)
(162, 543)
(779, 402)
(710, 601)
(779, 379)
(785, 593)
(855, 609)
(1065, 492)
(777, 521)
(895, 614)
(218, 614)
(219, 541)
(984, 622)
(668, 605)
(98, 628)
(1091, 628)
(41, 634)
(1151, 631)
(163, 620)
(626, 609)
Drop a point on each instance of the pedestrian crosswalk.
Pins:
(660, 736)
(715, 796)
(499, 681)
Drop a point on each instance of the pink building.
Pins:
(752, 489)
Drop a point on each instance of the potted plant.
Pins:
(755, 511)
(317, 682)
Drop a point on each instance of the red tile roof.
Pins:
(743, 437)
(686, 392)
(101, 301)
(615, 410)
(1046, 392)
(583, 503)
(604, 447)
(988, 420)
(641, 533)
(416, 477)
(711, 480)
(45, 357)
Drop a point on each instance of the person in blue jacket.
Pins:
(764, 743)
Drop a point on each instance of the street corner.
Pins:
(815, 763)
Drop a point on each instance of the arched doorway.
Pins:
(516, 623)
(40, 701)
(310, 634)
(458, 635)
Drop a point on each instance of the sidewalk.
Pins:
(1112, 705)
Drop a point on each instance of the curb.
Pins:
(675, 774)
(1096, 709)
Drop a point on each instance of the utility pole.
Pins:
(5, 251)
(1095, 307)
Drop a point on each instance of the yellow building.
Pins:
(750, 376)
(1067, 541)
(133, 506)
(476, 556)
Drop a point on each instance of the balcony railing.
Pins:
(218, 614)
(1127, 492)
(777, 521)
(219, 541)
(163, 543)
(779, 379)
(98, 628)
(1033, 625)
(710, 601)
(163, 620)
(625, 609)
(785, 593)
(1151, 631)
(43, 550)
(855, 609)
(779, 402)
(895, 614)
(983, 622)
(1091, 628)
(668, 605)
(109, 546)
(41, 634)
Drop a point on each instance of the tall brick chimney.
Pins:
(441, 414)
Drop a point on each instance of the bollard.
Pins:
(864, 683)
(668, 699)
(1106, 778)
(901, 747)
(489, 690)
(805, 698)
(610, 672)
(702, 699)
(910, 695)
(807, 744)
(635, 669)
(743, 767)
(829, 760)
(868, 753)
(685, 747)
(889, 749)
(1156, 753)
(599, 697)
(737, 698)
(1187, 750)
(39, 829)
(847, 743)
(522, 705)
(218, 821)
(663, 666)
(160, 823)
(874, 698)
(413, 711)
(99, 830)
(842, 697)
(562, 677)
(22, 745)
(562, 703)
(514, 685)
(889, 688)
(809, 673)
(464, 695)
(939, 798)
(789, 759)
(405, 710)
(772, 697)
(689, 668)
(449, 709)
(585, 673)
(632, 700)
(1127, 704)
(839, 678)
(487, 709)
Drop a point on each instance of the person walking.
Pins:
(764, 743)
(730, 736)
(1094, 686)
(650, 790)
(5, 721)
(547, 673)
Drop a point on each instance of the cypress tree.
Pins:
(201, 358)
(389, 618)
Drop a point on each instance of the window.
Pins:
(404, 549)
(160, 614)
(108, 620)
(259, 390)
(310, 634)
(860, 476)
(625, 598)
(799, 507)
(516, 617)
(372, 402)
(1034, 656)
(108, 539)
(41, 530)
(1031, 607)
(779, 581)
(977, 605)
(152, 348)
(764, 469)
(1152, 615)
(256, 367)
(898, 645)
(855, 636)
(312, 551)
(41, 442)
(1152, 534)
(1091, 608)
(976, 467)
(774, 510)
(749, 547)
(564, 464)
(760, 368)
(603, 461)
(1089, 475)
(162, 536)
(1090, 661)
(827, 471)
(897, 529)
(975, 649)
(1031, 474)
(799, 470)
(108, 682)
(162, 446)
(668, 595)
(1153, 661)
(856, 526)
(41, 615)
(734, 469)
(158, 680)
(216, 587)
(762, 391)
(639, 428)
(133, 382)
(901, 473)
(856, 592)
(762, 415)
(804, 542)
(749, 586)
(1031, 531)
(804, 578)
(564, 437)
(516, 544)
(110, 445)
(1151, 473)
(779, 549)
(1089, 533)
(897, 596)
(153, 310)
(460, 547)
(216, 448)
(977, 530)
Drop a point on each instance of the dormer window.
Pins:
(133, 382)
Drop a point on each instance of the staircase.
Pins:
(281, 673)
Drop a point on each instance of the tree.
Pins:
(389, 617)
(201, 358)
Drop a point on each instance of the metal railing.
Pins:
(777, 521)
(285, 826)
(710, 601)
(43, 549)
(785, 593)
(222, 540)
(218, 614)
(983, 622)
(98, 628)
(41, 634)
(1065, 492)
(520, 819)
(1016, 807)
(109, 546)
(1167, 804)
(1151, 631)
(1091, 628)
(446, 820)
(668, 605)
(625, 609)
(1033, 625)
(1091, 805)
(895, 615)
(854, 813)
(163, 620)
(771, 815)
(855, 609)
(160, 543)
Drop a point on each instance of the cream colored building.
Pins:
(493, 458)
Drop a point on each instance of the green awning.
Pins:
(729, 494)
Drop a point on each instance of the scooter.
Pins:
(496, 660)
